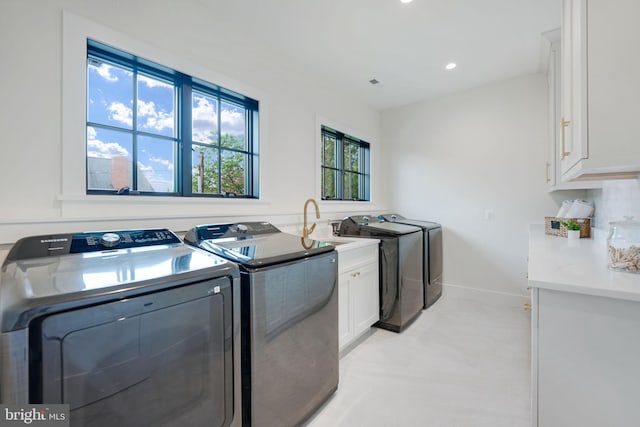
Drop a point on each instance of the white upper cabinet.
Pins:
(553, 82)
(573, 118)
(600, 90)
(553, 163)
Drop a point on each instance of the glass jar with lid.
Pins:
(624, 245)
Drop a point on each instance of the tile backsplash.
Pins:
(614, 201)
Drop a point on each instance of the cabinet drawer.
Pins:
(350, 258)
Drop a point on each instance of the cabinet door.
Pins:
(600, 129)
(573, 122)
(553, 82)
(614, 82)
(365, 307)
(587, 354)
(345, 324)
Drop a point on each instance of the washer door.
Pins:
(163, 359)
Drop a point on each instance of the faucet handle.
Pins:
(310, 229)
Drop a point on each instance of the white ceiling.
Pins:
(405, 46)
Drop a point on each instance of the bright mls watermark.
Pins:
(34, 415)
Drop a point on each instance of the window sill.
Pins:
(345, 201)
(134, 198)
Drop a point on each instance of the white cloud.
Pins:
(146, 169)
(146, 108)
(101, 149)
(120, 113)
(166, 163)
(151, 83)
(157, 120)
(104, 70)
(148, 116)
(232, 122)
(205, 119)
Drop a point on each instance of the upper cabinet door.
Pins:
(600, 89)
(614, 81)
(573, 120)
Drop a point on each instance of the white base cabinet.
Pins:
(585, 335)
(358, 293)
(585, 360)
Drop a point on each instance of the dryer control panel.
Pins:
(62, 244)
(238, 230)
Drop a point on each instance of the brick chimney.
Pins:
(119, 172)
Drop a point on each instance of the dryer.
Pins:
(400, 263)
(289, 316)
(128, 328)
(432, 252)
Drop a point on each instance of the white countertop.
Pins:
(579, 266)
(324, 233)
(348, 243)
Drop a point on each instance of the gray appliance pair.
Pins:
(432, 255)
(400, 268)
(129, 328)
(289, 317)
(410, 256)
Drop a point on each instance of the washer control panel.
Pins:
(110, 240)
(62, 244)
(100, 241)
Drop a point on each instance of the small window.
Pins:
(345, 167)
(152, 130)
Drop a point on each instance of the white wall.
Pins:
(207, 36)
(456, 159)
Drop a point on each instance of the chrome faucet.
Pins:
(306, 230)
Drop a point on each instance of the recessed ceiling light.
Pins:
(376, 83)
(450, 66)
(405, 1)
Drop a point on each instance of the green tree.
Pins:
(352, 166)
(348, 175)
(329, 162)
(230, 177)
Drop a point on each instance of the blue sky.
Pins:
(110, 102)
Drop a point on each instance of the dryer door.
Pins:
(158, 359)
(434, 287)
(292, 339)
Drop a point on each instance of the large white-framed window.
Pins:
(153, 130)
(74, 200)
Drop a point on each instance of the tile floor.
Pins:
(465, 362)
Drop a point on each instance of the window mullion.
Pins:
(340, 166)
(185, 128)
(219, 144)
(134, 115)
(248, 137)
(254, 144)
(361, 170)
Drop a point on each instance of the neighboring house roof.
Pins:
(100, 175)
